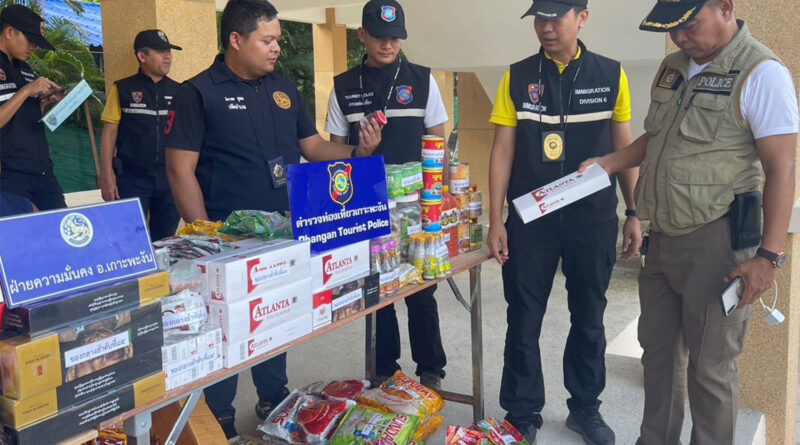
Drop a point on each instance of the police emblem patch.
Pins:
(388, 13)
(137, 96)
(278, 171)
(535, 92)
(669, 79)
(2, 76)
(76, 230)
(404, 94)
(341, 185)
(282, 100)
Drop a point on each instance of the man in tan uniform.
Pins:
(721, 108)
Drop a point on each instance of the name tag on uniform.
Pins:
(277, 170)
(553, 146)
(716, 83)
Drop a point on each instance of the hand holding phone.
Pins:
(731, 296)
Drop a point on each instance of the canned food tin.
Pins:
(432, 216)
(459, 179)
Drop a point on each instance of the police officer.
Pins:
(135, 117)
(234, 129)
(554, 110)
(410, 99)
(25, 165)
(719, 106)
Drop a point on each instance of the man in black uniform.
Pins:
(554, 110)
(234, 128)
(25, 166)
(135, 118)
(410, 98)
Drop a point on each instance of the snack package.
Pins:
(509, 429)
(312, 419)
(366, 426)
(183, 313)
(503, 434)
(402, 394)
(462, 436)
(191, 247)
(184, 275)
(265, 225)
(111, 436)
(409, 275)
(428, 427)
(338, 389)
(206, 228)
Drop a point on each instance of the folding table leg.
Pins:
(369, 350)
(138, 429)
(477, 342)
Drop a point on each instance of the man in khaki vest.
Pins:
(722, 107)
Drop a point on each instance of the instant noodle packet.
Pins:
(338, 389)
(366, 426)
(402, 394)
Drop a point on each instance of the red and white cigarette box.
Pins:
(235, 353)
(560, 193)
(321, 315)
(339, 265)
(201, 264)
(241, 276)
(267, 309)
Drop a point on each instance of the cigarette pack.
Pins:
(29, 366)
(20, 413)
(339, 265)
(245, 318)
(181, 348)
(560, 193)
(193, 368)
(86, 416)
(248, 273)
(52, 315)
(239, 352)
(348, 298)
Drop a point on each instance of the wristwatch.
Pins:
(777, 259)
(629, 212)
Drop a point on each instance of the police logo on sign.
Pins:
(76, 230)
(341, 185)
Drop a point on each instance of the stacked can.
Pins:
(432, 177)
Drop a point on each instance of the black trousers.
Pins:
(154, 193)
(587, 257)
(41, 188)
(423, 332)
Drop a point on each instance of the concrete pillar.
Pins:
(190, 24)
(475, 132)
(445, 82)
(769, 365)
(330, 59)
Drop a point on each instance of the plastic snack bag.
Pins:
(366, 426)
(265, 225)
(428, 427)
(312, 420)
(338, 389)
(402, 394)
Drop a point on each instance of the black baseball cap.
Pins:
(669, 15)
(153, 39)
(384, 18)
(553, 9)
(27, 22)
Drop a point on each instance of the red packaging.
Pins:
(305, 419)
(432, 183)
(432, 216)
(339, 389)
(379, 117)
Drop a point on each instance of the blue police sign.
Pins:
(339, 203)
(50, 254)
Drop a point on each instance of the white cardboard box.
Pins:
(194, 368)
(239, 276)
(559, 193)
(239, 352)
(267, 309)
(201, 264)
(339, 265)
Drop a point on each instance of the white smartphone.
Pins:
(731, 296)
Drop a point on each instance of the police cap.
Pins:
(553, 9)
(669, 15)
(27, 22)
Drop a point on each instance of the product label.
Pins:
(347, 298)
(413, 230)
(263, 273)
(176, 320)
(261, 311)
(92, 351)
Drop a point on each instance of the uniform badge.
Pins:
(404, 95)
(137, 96)
(277, 169)
(341, 187)
(2, 76)
(553, 146)
(162, 36)
(282, 100)
(535, 91)
(388, 13)
(669, 79)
